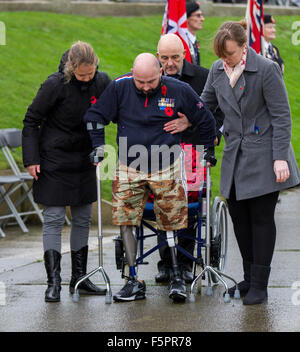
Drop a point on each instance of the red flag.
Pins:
(174, 21)
(255, 19)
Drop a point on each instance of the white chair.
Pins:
(12, 138)
(9, 185)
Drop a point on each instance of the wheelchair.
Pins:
(210, 219)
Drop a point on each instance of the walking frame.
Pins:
(108, 297)
(207, 268)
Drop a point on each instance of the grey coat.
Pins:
(257, 127)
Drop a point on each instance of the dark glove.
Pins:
(97, 155)
(209, 155)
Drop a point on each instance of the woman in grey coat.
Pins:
(258, 160)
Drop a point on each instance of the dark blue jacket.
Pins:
(141, 118)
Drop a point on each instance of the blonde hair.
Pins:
(81, 53)
(236, 31)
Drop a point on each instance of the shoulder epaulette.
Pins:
(123, 77)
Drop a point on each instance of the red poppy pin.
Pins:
(93, 100)
(200, 105)
(169, 111)
(163, 90)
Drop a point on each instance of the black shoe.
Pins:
(187, 276)
(52, 260)
(163, 275)
(79, 263)
(177, 290)
(243, 287)
(132, 291)
(258, 293)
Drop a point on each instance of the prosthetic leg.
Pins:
(177, 290)
(130, 246)
(133, 289)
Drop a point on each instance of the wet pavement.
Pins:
(23, 283)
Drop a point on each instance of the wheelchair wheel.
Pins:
(119, 252)
(219, 238)
(120, 258)
(125, 272)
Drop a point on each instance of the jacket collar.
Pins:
(251, 62)
(139, 92)
(188, 69)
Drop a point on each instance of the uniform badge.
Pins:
(166, 104)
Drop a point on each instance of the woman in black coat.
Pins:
(56, 148)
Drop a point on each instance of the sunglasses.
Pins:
(197, 15)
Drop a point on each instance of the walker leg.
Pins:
(108, 295)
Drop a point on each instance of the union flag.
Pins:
(174, 21)
(255, 21)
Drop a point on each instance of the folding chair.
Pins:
(13, 183)
(12, 138)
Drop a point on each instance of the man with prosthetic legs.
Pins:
(140, 103)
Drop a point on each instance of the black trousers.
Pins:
(188, 244)
(254, 226)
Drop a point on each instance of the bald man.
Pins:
(140, 103)
(171, 55)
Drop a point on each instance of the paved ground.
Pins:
(23, 283)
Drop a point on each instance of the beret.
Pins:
(191, 7)
(268, 19)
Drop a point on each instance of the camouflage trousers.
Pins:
(131, 189)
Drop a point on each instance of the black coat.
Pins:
(273, 54)
(55, 137)
(196, 77)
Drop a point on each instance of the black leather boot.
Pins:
(52, 264)
(79, 263)
(258, 293)
(244, 285)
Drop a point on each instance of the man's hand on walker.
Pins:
(178, 125)
(97, 155)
